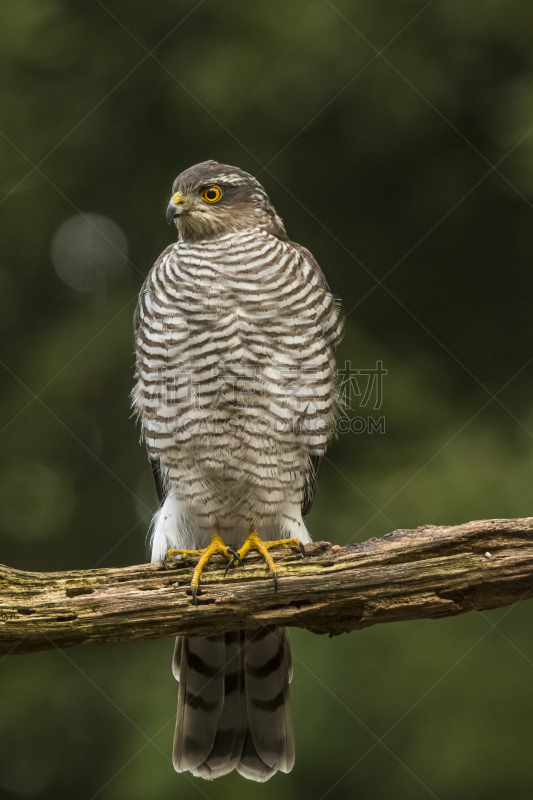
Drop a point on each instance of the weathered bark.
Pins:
(430, 572)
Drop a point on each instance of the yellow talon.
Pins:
(254, 542)
(183, 553)
(217, 547)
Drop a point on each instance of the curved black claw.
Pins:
(235, 555)
(302, 548)
(232, 563)
(275, 576)
(193, 592)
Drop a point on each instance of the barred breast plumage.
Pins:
(236, 377)
(236, 390)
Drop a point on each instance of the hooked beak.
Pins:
(175, 207)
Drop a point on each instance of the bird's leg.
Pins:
(217, 547)
(254, 542)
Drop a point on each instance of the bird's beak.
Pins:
(175, 207)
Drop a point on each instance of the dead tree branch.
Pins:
(426, 573)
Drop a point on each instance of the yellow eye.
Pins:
(211, 195)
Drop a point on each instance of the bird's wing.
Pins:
(155, 463)
(160, 487)
(333, 323)
(310, 485)
(332, 327)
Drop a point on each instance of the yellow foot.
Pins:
(253, 542)
(217, 547)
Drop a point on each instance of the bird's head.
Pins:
(211, 199)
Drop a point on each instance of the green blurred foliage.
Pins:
(395, 139)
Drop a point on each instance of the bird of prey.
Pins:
(236, 389)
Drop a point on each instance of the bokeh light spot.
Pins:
(89, 251)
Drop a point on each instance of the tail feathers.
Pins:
(233, 706)
(200, 700)
(267, 696)
(176, 661)
(227, 747)
(251, 765)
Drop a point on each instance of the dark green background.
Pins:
(408, 173)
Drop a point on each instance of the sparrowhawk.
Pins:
(235, 334)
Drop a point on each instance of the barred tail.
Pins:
(233, 706)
